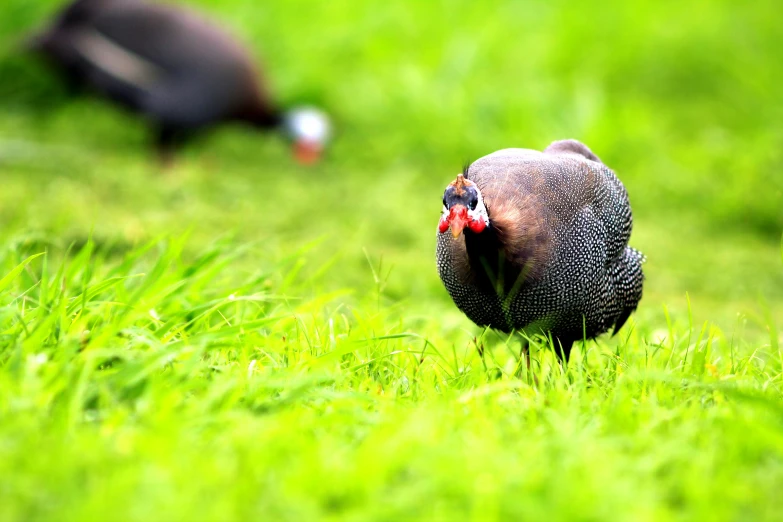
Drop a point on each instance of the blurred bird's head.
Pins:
(463, 206)
(309, 130)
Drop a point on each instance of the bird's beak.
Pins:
(307, 152)
(458, 218)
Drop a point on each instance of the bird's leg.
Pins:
(479, 347)
(524, 354)
(167, 141)
(165, 159)
(480, 350)
(562, 348)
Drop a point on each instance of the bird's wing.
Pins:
(172, 38)
(82, 12)
(625, 313)
(119, 62)
(608, 198)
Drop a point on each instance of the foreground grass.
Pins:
(681, 99)
(171, 387)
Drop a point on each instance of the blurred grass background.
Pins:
(682, 99)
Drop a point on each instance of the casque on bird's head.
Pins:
(309, 129)
(463, 206)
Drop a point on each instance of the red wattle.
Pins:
(443, 225)
(477, 226)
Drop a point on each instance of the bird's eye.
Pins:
(473, 203)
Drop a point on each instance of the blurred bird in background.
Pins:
(177, 70)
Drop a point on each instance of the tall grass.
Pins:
(166, 386)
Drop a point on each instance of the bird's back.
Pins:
(559, 184)
(157, 59)
(176, 40)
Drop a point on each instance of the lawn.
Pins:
(241, 337)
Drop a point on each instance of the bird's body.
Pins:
(554, 257)
(176, 69)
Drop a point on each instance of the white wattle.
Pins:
(479, 214)
(307, 124)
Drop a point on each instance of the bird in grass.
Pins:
(537, 242)
(174, 68)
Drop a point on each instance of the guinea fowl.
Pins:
(171, 66)
(538, 243)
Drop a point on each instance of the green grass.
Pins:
(243, 338)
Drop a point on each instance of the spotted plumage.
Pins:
(554, 256)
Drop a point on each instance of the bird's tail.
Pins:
(627, 280)
(32, 43)
(638, 255)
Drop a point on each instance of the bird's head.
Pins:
(309, 130)
(463, 207)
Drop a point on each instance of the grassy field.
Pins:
(245, 338)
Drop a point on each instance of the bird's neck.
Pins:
(261, 115)
(497, 265)
(487, 259)
(485, 241)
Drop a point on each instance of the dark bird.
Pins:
(538, 242)
(174, 68)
